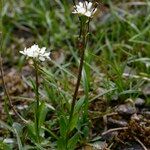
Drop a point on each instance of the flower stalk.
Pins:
(83, 38)
(36, 54)
(37, 100)
(85, 11)
(78, 82)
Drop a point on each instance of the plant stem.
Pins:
(79, 73)
(37, 100)
(78, 83)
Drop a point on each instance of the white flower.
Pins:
(35, 52)
(85, 8)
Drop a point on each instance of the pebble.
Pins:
(135, 117)
(126, 110)
(139, 102)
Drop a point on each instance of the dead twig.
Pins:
(143, 146)
(109, 147)
(115, 129)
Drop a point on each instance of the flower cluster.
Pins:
(35, 52)
(85, 8)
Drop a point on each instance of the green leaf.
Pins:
(31, 131)
(79, 104)
(63, 126)
(61, 144)
(4, 146)
(6, 126)
(74, 121)
(18, 130)
(42, 113)
(86, 79)
(73, 141)
(50, 132)
(85, 131)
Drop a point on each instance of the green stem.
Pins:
(78, 83)
(83, 37)
(37, 101)
(86, 104)
(83, 27)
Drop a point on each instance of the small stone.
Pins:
(139, 102)
(99, 145)
(135, 117)
(126, 110)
